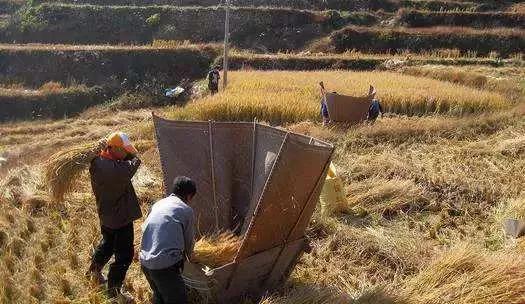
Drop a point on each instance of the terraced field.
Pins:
(428, 185)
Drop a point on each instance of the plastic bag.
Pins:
(174, 92)
(333, 197)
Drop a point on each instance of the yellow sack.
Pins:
(333, 198)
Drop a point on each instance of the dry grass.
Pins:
(281, 97)
(507, 84)
(216, 250)
(62, 170)
(422, 185)
(464, 274)
(51, 87)
(306, 295)
(469, 275)
(353, 259)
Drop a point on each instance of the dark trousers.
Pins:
(213, 87)
(167, 284)
(118, 242)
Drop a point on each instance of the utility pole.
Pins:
(226, 45)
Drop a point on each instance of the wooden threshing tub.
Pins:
(261, 182)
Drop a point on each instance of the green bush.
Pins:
(28, 19)
(380, 40)
(269, 29)
(153, 20)
(9, 6)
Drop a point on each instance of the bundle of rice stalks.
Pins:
(19, 184)
(307, 295)
(62, 169)
(216, 250)
(469, 275)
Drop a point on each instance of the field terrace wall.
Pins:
(297, 62)
(9, 6)
(265, 29)
(378, 40)
(416, 18)
(344, 5)
(22, 105)
(107, 66)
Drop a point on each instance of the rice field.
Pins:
(283, 97)
(427, 196)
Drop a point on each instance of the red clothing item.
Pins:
(107, 155)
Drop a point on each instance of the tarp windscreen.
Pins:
(342, 108)
(261, 182)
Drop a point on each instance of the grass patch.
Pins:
(506, 84)
(263, 28)
(281, 97)
(350, 60)
(106, 66)
(504, 42)
(415, 18)
(51, 101)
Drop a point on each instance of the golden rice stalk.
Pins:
(307, 295)
(468, 274)
(62, 169)
(216, 250)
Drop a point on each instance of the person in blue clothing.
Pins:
(324, 106)
(375, 106)
(167, 241)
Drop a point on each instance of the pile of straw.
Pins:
(468, 274)
(216, 250)
(35, 204)
(62, 170)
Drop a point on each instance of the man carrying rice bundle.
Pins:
(111, 172)
(167, 241)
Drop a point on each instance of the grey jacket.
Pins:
(168, 234)
(117, 201)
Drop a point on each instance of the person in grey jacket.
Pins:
(167, 241)
(118, 207)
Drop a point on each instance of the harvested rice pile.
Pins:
(216, 250)
(61, 171)
(469, 275)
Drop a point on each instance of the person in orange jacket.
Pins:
(117, 205)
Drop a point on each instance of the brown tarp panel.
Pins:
(184, 149)
(293, 179)
(285, 262)
(266, 147)
(342, 108)
(232, 159)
